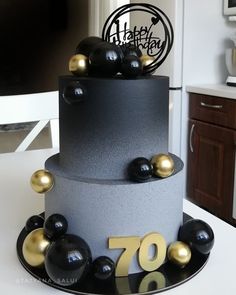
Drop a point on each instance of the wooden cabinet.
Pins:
(211, 154)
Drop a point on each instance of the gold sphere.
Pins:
(34, 247)
(163, 165)
(42, 181)
(179, 253)
(146, 60)
(78, 65)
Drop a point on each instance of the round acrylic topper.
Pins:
(150, 30)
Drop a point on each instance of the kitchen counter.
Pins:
(220, 90)
(19, 201)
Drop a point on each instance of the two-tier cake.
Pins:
(114, 194)
(117, 121)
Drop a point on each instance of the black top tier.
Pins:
(110, 123)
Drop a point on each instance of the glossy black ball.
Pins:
(74, 93)
(198, 235)
(87, 45)
(131, 66)
(103, 268)
(130, 49)
(140, 169)
(34, 222)
(104, 60)
(55, 226)
(68, 260)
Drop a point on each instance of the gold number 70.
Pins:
(131, 245)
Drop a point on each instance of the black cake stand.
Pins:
(166, 277)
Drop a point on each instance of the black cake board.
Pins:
(168, 276)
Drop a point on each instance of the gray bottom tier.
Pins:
(97, 211)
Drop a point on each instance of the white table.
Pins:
(18, 202)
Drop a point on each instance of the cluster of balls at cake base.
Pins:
(67, 258)
(96, 57)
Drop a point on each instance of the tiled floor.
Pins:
(11, 137)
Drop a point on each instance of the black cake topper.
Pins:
(154, 37)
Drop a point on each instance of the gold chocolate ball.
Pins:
(42, 181)
(78, 65)
(163, 165)
(179, 253)
(34, 247)
(146, 60)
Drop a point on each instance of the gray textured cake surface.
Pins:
(119, 120)
(96, 211)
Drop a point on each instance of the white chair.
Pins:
(41, 107)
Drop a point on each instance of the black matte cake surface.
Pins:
(117, 120)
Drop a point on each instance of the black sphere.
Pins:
(103, 268)
(131, 66)
(34, 222)
(140, 169)
(55, 226)
(87, 45)
(105, 60)
(74, 93)
(198, 235)
(130, 49)
(67, 260)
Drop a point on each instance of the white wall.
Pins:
(206, 36)
(99, 11)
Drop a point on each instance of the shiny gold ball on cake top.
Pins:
(34, 247)
(146, 60)
(78, 65)
(179, 253)
(42, 181)
(163, 165)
